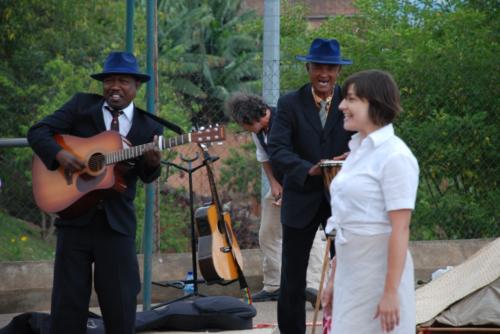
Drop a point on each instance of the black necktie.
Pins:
(114, 122)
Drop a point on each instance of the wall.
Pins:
(25, 286)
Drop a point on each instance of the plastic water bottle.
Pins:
(188, 287)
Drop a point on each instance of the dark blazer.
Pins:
(82, 116)
(296, 143)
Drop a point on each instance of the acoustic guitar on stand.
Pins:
(70, 195)
(219, 254)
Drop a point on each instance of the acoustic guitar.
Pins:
(218, 249)
(70, 195)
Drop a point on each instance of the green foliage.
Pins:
(38, 32)
(174, 224)
(204, 62)
(49, 48)
(455, 215)
(444, 57)
(247, 178)
(21, 241)
(16, 196)
(294, 40)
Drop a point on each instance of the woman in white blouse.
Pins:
(372, 198)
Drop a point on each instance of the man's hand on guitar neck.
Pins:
(152, 155)
(69, 162)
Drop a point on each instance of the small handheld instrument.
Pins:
(330, 168)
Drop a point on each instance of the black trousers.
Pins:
(116, 278)
(296, 245)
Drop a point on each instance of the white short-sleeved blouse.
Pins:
(379, 175)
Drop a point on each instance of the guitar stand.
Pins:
(179, 284)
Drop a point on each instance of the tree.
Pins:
(205, 61)
(48, 49)
(444, 58)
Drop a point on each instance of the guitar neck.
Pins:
(213, 189)
(136, 151)
(221, 223)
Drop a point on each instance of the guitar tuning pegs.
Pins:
(202, 128)
(219, 143)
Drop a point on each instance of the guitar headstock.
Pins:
(209, 134)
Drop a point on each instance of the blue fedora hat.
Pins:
(121, 63)
(325, 51)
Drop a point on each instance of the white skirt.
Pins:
(359, 284)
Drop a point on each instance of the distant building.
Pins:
(319, 10)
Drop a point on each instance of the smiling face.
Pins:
(356, 117)
(323, 78)
(119, 90)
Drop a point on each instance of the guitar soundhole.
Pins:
(96, 162)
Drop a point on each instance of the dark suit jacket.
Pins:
(296, 143)
(82, 116)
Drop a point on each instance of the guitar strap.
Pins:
(241, 277)
(242, 280)
(169, 125)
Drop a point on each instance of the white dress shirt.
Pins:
(260, 152)
(379, 175)
(124, 120)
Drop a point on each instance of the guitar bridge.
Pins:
(225, 249)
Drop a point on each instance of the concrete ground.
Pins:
(265, 322)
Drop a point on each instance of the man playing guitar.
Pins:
(104, 235)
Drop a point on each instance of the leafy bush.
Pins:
(444, 57)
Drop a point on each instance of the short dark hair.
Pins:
(380, 90)
(246, 108)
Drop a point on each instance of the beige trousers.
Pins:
(270, 237)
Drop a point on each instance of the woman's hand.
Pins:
(388, 308)
(327, 293)
(388, 311)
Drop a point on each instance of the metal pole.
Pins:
(148, 219)
(13, 142)
(129, 30)
(270, 63)
(271, 52)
